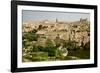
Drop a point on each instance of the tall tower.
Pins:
(56, 20)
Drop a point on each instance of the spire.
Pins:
(56, 20)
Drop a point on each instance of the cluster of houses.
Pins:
(78, 31)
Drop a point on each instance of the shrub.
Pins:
(35, 48)
(71, 45)
(87, 46)
(30, 37)
(39, 56)
(33, 31)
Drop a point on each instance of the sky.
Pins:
(31, 15)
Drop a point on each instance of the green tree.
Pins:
(30, 37)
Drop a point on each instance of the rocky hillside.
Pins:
(78, 31)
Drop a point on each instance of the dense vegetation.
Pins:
(50, 51)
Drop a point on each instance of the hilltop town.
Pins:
(62, 36)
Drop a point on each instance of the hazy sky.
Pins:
(29, 15)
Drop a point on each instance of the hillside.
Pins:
(68, 36)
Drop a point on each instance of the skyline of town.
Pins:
(29, 16)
